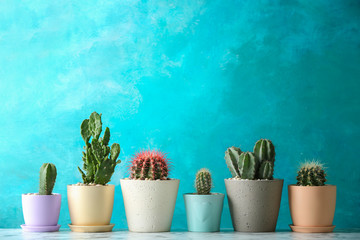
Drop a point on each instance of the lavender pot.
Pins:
(41, 210)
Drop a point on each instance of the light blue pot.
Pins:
(203, 212)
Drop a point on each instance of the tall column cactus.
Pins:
(203, 182)
(99, 159)
(264, 151)
(47, 178)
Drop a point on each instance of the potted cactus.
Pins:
(149, 195)
(203, 209)
(253, 194)
(312, 203)
(41, 210)
(91, 202)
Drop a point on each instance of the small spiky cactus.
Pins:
(150, 165)
(47, 178)
(248, 165)
(203, 182)
(311, 174)
(99, 159)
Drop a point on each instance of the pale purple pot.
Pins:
(41, 210)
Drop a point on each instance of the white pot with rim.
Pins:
(149, 204)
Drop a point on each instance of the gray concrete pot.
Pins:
(254, 204)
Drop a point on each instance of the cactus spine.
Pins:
(99, 159)
(150, 165)
(248, 165)
(311, 174)
(47, 178)
(203, 182)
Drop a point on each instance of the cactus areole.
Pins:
(99, 159)
(149, 165)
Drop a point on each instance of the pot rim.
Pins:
(254, 180)
(157, 180)
(203, 195)
(37, 195)
(107, 185)
(326, 185)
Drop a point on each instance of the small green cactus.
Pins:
(203, 182)
(99, 159)
(264, 150)
(232, 155)
(266, 170)
(311, 174)
(248, 165)
(47, 178)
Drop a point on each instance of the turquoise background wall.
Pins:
(189, 77)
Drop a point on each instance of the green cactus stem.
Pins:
(311, 174)
(203, 182)
(266, 170)
(264, 150)
(232, 155)
(99, 159)
(47, 178)
(248, 164)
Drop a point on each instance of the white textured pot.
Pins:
(149, 204)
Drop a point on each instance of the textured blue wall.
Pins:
(188, 77)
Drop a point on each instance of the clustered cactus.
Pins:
(203, 182)
(47, 178)
(151, 165)
(99, 159)
(258, 164)
(311, 174)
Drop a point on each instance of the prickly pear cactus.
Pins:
(47, 178)
(248, 165)
(151, 165)
(264, 150)
(311, 174)
(203, 182)
(99, 159)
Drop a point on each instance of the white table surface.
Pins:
(223, 235)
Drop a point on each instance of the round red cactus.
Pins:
(149, 165)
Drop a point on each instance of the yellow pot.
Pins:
(90, 205)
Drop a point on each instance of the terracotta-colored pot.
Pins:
(312, 206)
(90, 205)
